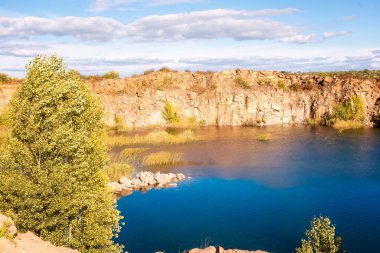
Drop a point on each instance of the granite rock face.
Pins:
(228, 98)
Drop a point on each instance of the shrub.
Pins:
(169, 113)
(4, 231)
(281, 84)
(321, 238)
(165, 69)
(353, 109)
(240, 82)
(263, 81)
(111, 75)
(119, 122)
(295, 87)
(148, 71)
(161, 158)
(4, 78)
(52, 167)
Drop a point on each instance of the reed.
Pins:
(161, 158)
(342, 125)
(264, 137)
(116, 170)
(154, 138)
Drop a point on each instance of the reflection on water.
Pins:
(251, 194)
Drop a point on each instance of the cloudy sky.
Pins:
(95, 36)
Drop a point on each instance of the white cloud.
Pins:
(329, 35)
(209, 24)
(91, 28)
(213, 24)
(102, 5)
(301, 39)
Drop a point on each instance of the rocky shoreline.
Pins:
(14, 242)
(220, 249)
(144, 181)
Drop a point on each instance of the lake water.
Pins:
(252, 195)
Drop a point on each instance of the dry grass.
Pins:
(264, 137)
(154, 138)
(342, 125)
(115, 171)
(161, 158)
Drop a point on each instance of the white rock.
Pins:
(125, 181)
(7, 221)
(115, 187)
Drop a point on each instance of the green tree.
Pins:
(169, 113)
(321, 238)
(52, 179)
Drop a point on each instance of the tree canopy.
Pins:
(51, 167)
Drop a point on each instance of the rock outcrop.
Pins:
(28, 242)
(228, 98)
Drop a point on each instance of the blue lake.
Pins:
(262, 195)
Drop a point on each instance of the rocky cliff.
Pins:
(228, 98)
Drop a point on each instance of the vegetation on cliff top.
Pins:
(52, 178)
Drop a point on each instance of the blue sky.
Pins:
(130, 36)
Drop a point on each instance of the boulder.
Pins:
(8, 222)
(210, 249)
(115, 187)
(125, 181)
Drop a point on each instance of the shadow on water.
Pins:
(261, 195)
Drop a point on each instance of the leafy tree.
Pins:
(321, 238)
(169, 113)
(51, 168)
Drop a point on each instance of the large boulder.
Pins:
(115, 187)
(127, 182)
(7, 222)
(210, 249)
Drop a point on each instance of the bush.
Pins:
(281, 84)
(165, 69)
(52, 167)
(263, 81)
(240, 82)
(169, 113)
(321, 238)
(148, 71)
(4, 78)
(353, 109)
(111, 75)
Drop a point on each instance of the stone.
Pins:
(115, 187)
(210, 249)
(328, 79)
(7, 221)
(125, 181)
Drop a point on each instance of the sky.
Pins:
(130, 36)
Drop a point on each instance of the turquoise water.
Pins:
(261, 195)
